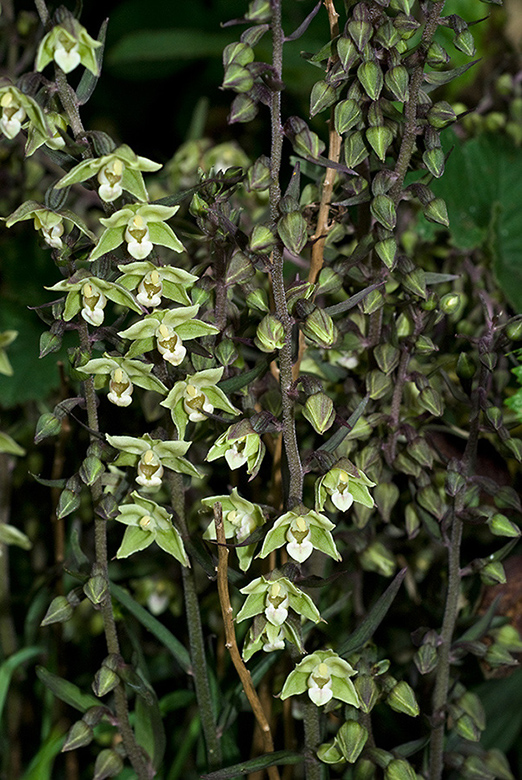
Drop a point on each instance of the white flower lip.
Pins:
(94, 302)
(67, 56)
(138, 238)
(150, 290)
(110, 177)
(150, 470)
(120, 387)
(170, 345)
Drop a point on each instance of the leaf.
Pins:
(9, 446)
(478, 629)
(42, 763)
(164, 45)
(162, 633)
(235, 383)
(436, 78)
(67, 691)
(486, 169)
(352, 301)
(503, 723)
(279, 758)
(374, 617)
(149, 729)
(10, 665)
(88, 81)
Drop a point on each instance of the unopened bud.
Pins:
(436, 211)
(96, 589)
(387, 357)
(108, 764)
(360, 32)
(379, 139)
(383, 210)
(270, 334)
(379, 559)
(426, 658)
(238, 78)
(493, 573)
(386, 250)
(399, 769)
(259, 11)
(48, 425)
(322, 96)
(464, 42)
(402, 699)
(347, 115)
(319, 411)
(91, 469)
(320, 329)
(79, 735)
(105, 680)
(262, 240)
(371, 78)
(434, 160)
(348, 53)
(441, 114)
(68, 502)
(243, 109)
(352, 738)
(396, 80)
(60, 610)
(437, 56)
(259, 174)
(292, 231)
(367, 691)
(500, 525)
(355, 150)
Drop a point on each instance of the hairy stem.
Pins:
(132, 748)
(312, 733)
(231, 643)
(440, 693)
(196, 637)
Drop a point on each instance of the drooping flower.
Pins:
(120, 170)
(166, 330)
(123, 374)
(302, 531)
(152, 457)
(53, 139)
(239, 445)
(196, 396)
(147, 522)
(343, 484)
(240, 520)
(88, 295)
(273, 596)
(323, 675)
(68, 44)
(50, 223)
(156, 282)
(268, 637)
(141, 227)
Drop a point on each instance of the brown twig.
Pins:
(231, 643)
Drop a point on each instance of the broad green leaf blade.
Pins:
(373, 619)
(478, 629)
(88, 81)
(279, 758)
(339, 308)
(168, 639)
(67, 691)
(237, 382)
(10, 665)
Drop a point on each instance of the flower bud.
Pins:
(105, 681)
(464, 42)
(431, 400)
(434, 160)
(292, 231)
(91, 469)
(60, 610)
(352, 738)
(257, 300)
(243, 109)
(355, 151)
(259, 174)
(96, 589)
(379, 139)
(513, 330)
(364, 770)
(383, 210)
(259, 11)
(360, 32)
(48, 425)
(108, 764)
(402, 699)
(411, 521)
(367, 692)
(441, 114)
(437, 56)
(386, 250)
(386, 495)
(270, 334)
(493, 573)
(396, 80)
(238, 78)
(436, 211)
(79, 735)
(49, 342)
(347, 114)
(399, 769)
(347, 51)
(239, 53)
(322, 96)
(319, 411)
(262, 240)
(371, 78)
(426, 658)
(500, 525)
(387, 357)
(378, 384)
(68, 502)
(320, 329)
(415, 282)
(379, 559)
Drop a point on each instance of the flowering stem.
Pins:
(196, 638)
(231, 643)
(132, 748)
(293, 457)
(312, 732)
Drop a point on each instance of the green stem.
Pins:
(196, 637)
(132, 748)
(312, 732)
(43, 12)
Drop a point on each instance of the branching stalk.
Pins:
(231, 643)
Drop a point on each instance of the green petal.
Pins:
(134, 540)
(171, 542)
(110, 239)
(162, 234)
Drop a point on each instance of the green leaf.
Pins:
(335, 440)
(88, 81)
(436, 78)
(164, 45)
(374, 618)
(9, 446)
(153, 625)
(279, 758)
(487, 167)
(41, 765)
(149, 729)
(67, 691)
(9, 667)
